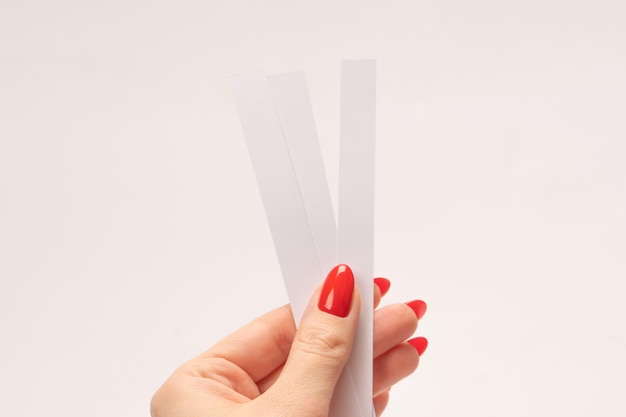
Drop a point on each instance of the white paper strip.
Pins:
(293, 103)
(296, 114)
(279, 189)
(356, 208)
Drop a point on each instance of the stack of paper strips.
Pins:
(278, 124)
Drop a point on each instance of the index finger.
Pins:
(259, 347)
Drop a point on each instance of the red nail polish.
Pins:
(420, 344)
(336, 296)
(383, 284)
(419, 307)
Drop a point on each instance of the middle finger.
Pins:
(394, 324)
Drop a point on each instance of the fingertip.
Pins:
(383, 285)
(337, 292)
(420, 344)
(419, 307)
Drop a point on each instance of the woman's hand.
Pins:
(268, 368)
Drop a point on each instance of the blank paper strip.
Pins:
(292, 100)
(355, 242)
(279, 188)
(296, 114)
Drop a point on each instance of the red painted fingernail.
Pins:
(419, 307)
(383, 284)
(420, 344)
(336, 296)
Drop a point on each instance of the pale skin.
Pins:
(269, 369)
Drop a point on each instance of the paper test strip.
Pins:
(296, 114)
(355, 242)
(278, 187)
(294, 108)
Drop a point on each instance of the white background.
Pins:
(132, 235)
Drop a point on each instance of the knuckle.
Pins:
(324, 343)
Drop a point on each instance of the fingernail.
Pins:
(420, 344)
(419, 307)
(336, 296)
(383, 285)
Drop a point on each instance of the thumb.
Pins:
(320, 348)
